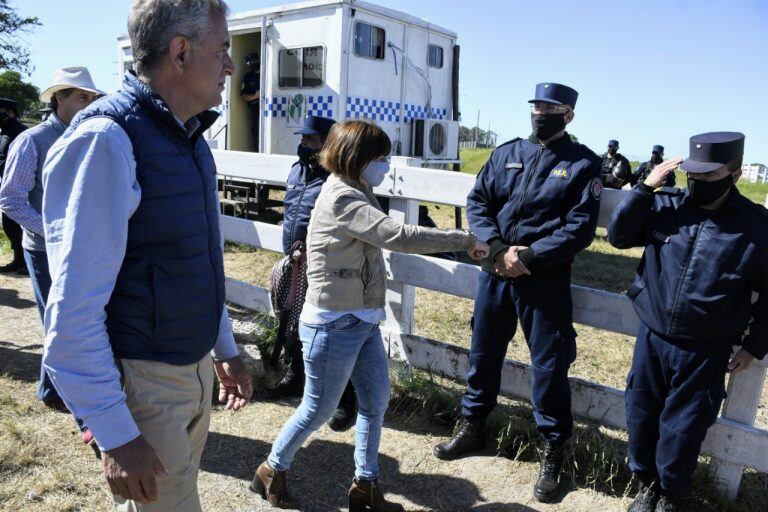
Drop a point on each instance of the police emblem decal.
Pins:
(596, 188)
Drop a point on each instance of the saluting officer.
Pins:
(536, 204)
(705, 253)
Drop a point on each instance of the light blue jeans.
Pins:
(333, 353)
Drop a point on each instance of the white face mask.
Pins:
(374, 173)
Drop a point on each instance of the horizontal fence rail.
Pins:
(733, 442)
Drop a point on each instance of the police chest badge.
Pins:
(513, 165)
(561, 173)
(596, 188)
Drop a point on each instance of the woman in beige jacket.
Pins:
(339, 328)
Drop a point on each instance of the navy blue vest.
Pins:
(169, 296)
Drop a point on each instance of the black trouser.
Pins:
(674, 392)
(542, 305)
(14, 234)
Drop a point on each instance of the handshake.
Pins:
(506, 264)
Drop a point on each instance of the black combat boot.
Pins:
(292, 383)
(290, 386)
(548, 484)
(346, 413)
(646, 499)
(470, 437)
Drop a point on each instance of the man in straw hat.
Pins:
(21, 194)
(131, 218)
(10, 128)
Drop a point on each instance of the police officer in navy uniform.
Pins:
(251, 92)
(645, 168)
(615, 171)
(303, 186)
(10, 128)
(536, 203)
(706, 251)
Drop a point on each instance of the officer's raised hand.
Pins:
(508, 264)
(658, 175)
(740, 361)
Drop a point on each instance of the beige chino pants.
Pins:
(172, 407)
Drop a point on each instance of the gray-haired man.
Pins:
(131, 223)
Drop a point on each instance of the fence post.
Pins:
(400, 297)
(744, 390)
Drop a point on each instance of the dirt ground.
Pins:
(43, 466)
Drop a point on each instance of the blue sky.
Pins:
(648, 72)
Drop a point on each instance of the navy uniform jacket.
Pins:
(8, 133)
(699, 268)
(251, 84)
(546, 198)
(303, 187)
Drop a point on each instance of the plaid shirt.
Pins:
(18, 182)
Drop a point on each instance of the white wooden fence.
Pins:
(733, 442)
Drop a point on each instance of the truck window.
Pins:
(369, 41)
(301, 67)
(435, 56)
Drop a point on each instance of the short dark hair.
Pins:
(64, 93)
(351, 146)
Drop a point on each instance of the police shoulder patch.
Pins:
(596, 188)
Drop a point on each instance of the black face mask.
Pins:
(656, 159)
(704, 193)
(306, 154)
(3, 117)
(546, 125)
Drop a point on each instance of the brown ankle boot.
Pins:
(366, 496)
(271, 484)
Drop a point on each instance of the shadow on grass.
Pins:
(323, 470)
(19, 364)
(595, 459)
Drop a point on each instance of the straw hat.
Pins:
(76, 77)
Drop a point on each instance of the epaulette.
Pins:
(589, 151)
(508, 142)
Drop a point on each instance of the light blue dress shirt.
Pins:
(91, 192)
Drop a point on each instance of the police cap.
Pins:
(658, 148)
(613, 144)
(557, 94)
(710, 151)
(316, 125)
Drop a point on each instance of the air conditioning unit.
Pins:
(435, 139)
